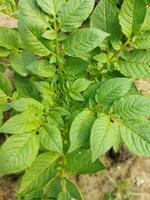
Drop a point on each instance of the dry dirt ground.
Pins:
(127, 176)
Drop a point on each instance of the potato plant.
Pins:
(72, 97)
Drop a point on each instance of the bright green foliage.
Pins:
(16, 154)
(132, 107)
(113, 89)
(67, 85)
(51, 138)
(80, 129)
(40, 172)
(26, 104)
(83, 41)
(74, 13)
(134, 64)
(102, 135)
(9, 38)
(105, 17)
(64, 196)
(51, 7)
(132, 16)
(20, 61)
(41, 68)
(21, 123)
(5, 84)
(75, 161)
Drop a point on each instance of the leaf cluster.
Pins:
(72, 97)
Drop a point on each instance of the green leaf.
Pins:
(75, 161)
(105, 18)
(4, 52)
(73, 190)
(102, 134)
(40, 172)
(117, 140)
(51, 7)
(146, 24)
(20, 61)
(50, 138)
(91, 91)
(21, 123)
(64, 196)
(135, 64)
(74, 66)
(53, 188)
(33, 195)
(32, 23)
(74, 13)
(31, 41)
(62, 111)
(80, 85)
(5, 84)
(3, 99)
(47, 6)
(25, 104)
(132, 107)
(83, 41)
(132, 15)
(113, 89)
(136, 136)
(50, 35)
(80, 129)
(25, 88)
(41, 68)
(8, 38)
(1, 116)
(76, 96)
(142, 40)
(57, 118)
(32, 14)
(101, 58)
(17, 153)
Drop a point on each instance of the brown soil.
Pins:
(127, 180)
